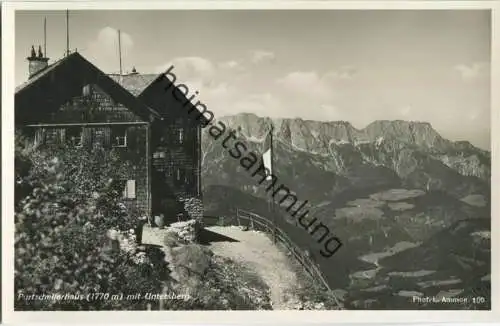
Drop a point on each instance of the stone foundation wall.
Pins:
(194, 207)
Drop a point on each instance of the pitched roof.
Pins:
(135, 83)
(54, 85)
(159, 95)
(147, 88)
(40, 74)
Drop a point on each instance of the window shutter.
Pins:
(39, 136)
(99, 136)
(107, 136)
(86, 136)
(43, 135)
(130, 189)
(131, 138)
(62, 133)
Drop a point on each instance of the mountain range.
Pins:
(392, 192)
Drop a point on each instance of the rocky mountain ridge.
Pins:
(393, 137)
(391, 188)
(418, 133)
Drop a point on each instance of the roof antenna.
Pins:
(120, 50)
(45, 36)
(67, 32)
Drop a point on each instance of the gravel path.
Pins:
(256, 250)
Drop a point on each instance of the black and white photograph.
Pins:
(307, 160)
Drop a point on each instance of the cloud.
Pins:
(224, 87)
(314, 84)
(405, 111)
(328, 112)
(233, 70)
(217, 83)
(345, 72)
(473, 71)
(218, 97)
(321, 93)
(225, 98)
(309, 83)
(478, 114)
(103, 50)
(230, 87)
(260, 56)
(264, 104)
(232, 64)
(191, 68)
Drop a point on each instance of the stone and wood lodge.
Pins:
(74, 103)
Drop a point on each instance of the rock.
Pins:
(112, 234)
(295, 304)
(186, 230)
(319, 306)
(365, 304)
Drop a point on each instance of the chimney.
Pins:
(37, 62)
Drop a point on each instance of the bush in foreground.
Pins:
(66, 202)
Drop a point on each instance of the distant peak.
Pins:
(247, 114)
(401, 122)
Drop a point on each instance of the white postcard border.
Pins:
(232, 317)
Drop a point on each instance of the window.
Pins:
(181, 135)
(187, 179)
(74, 136)
(99, 136)
(129, 191)
(53, 136)
(119, 137)
(179, 176)
(159, 155)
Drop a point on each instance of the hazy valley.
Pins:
(412, 208)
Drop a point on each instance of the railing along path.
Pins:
(300, 255)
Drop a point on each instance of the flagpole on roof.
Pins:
(120, 51)
(45, 37)
(67, 32)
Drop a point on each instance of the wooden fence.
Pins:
(267, 226)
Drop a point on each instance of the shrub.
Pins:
(61, 244)
(216, 283)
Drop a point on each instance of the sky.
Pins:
(327, 65)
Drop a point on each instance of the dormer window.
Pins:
(119, 137)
